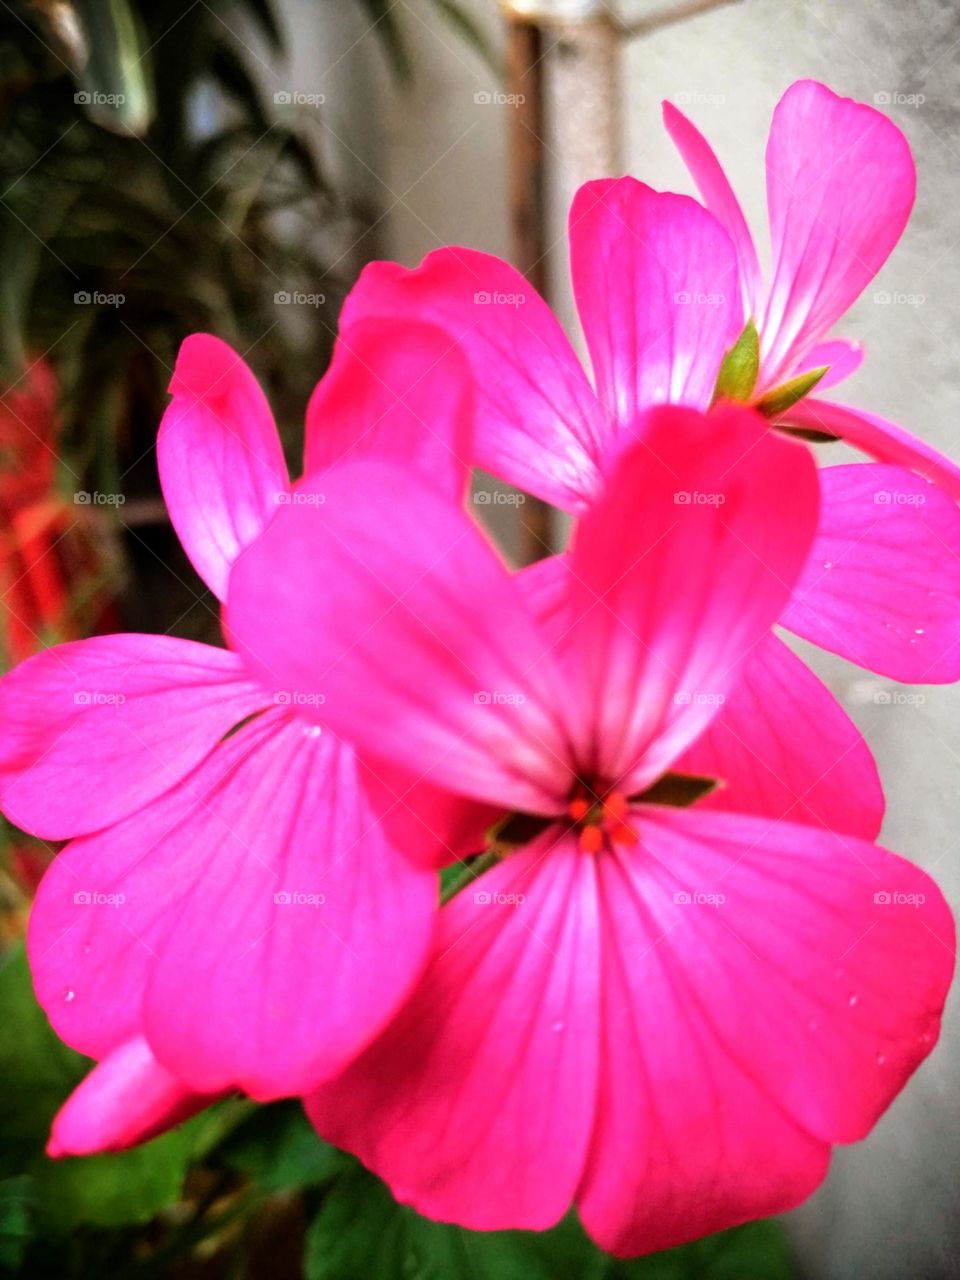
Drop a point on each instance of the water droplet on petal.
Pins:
(313, 731)
(919, 631)
(852, 1001)
(69, 995)
(558, 1026)
(881, 1059)
(828, 564)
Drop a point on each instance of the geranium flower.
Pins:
(663, 289)
(661, 1012)
(230, 912)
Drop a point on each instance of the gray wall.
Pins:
(436, 160)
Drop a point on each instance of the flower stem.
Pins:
(472, 871)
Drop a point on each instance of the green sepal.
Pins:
(739, 368)
(678, 789)
(784, 397)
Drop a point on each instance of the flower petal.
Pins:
(655, 278)
(224, 922)
(675, 575)
(538, 425)
(221, 465)
(883, 440)
(93, 730)
(841, 356)
(476, 1104)
(413, 633)
(784, 747)
(840, 187)
(718, 196)
(403, 391)
(882, 584)
(126, 1099)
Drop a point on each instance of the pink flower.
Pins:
(663, 289)
(663, 1014)
(231, 911)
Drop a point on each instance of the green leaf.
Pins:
(280, 1150)
(17, 1219)
(784, 397)
(757, 1249)
(740, 367)
(115, 81)
(113, 1190)
(37, 1069)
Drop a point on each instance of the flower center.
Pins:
(598, 821)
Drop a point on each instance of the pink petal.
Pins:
(784, 747)
(882, 584)
(126, 1099)
(93, 730)
(686, 1141)
(676, 575)
(476, 1104)
(412, 631)
(822, 973)
(718, 196)
(883, 440)
(842, 356)
(840, 187)
(403, 391)
(539, 425)
(219, 455)
(224, 921)
(655, 278)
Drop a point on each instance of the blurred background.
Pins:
(167, 168)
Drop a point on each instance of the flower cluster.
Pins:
(674, 968)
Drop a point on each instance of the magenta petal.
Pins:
(224, 921)
(219, 455)
(93, 730)
(821, 971)
(686, 1140)
(840, 187)
(883, 440)
(882, 584)
(783, 746)
(411, 630)
(718, 196)
(539, 425)
(126, 1099)
(476, 1104)
(655, 278)
(676, 575)
(842, 357)
(401, 391)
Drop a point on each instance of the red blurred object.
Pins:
(48, 555)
